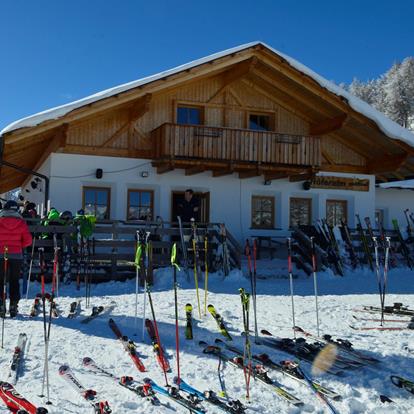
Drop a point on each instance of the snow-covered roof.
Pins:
(388, 127)
(400, 185)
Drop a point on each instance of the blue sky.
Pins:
(56, 51)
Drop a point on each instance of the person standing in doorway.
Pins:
(189, 208)
(14, 237)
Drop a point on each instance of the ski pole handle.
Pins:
(289, 248)
(312, 239)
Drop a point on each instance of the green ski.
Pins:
(220, 323)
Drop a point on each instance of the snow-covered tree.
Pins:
(392, 93)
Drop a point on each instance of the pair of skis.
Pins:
(90, 395)
(128, 345)
(220, 322)
(343, 346)
(284, 367)
(398, 309)
(17, 358)
(126, 382)
(36, 307)
(258, 372)
(228, 406)
(16, 403)
(97, 311)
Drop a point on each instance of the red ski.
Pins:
(408, 327)
(159, 352)
(16, 403)
(128, 345)
(385, 320)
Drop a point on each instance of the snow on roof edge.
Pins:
(388, 127)
(398, 185)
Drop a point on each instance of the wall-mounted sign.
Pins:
(340, 183)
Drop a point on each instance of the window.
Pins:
(336, 210)
(263, 212)
(96, 202)
(140, 205)
(259, 122)
(189, 115)
(300, 211)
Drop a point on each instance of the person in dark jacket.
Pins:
(29, 210)
(14, 237)
(189, 208)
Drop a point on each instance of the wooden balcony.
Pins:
(203, 145)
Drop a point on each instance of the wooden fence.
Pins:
(110, 252)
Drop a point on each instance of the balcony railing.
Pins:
(173, 141)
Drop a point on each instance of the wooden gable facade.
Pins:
(308, 129)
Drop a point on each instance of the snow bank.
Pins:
(71, 341)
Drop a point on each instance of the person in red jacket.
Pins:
(14, 237)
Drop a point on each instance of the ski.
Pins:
(225, 255)
(159, 353)
(16, 403)
(410, 326)
(364, 242)
(189, 321)
(97, 311)
(173, 394)
(229, 406)
(342, 344)
(100, 407)
(403, 383)
(358, 318)
(74, 309)
(346, 237)
(396, 309)
(36, 306)
(283, 368)
(258, 372)
(128, 345)
(220, 323)
(127, 382)
(403, 245)
(300, 349)
(17, 358)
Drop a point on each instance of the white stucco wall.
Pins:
(393, 202)
(230, 197)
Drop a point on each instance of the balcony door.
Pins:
(204, 202)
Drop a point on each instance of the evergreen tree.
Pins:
(392, 93)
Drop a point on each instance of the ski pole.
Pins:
(289, 247)
(315, 283)
(205, 274)
(315, 390)
(377, 272)
(254, 291)
(177, 336)
(157, 335)
(6, 269)
(45, 380)
(30, 268)
(195, 265)
(247, 368)
(146, 288)
(138, 254)
(55, 277)
(386, 259)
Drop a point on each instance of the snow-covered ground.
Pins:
(71, 341)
